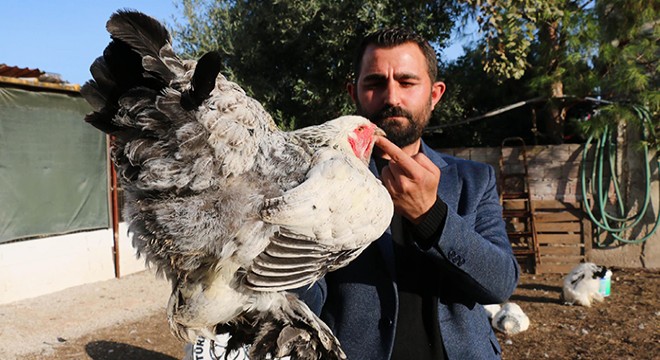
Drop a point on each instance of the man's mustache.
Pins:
(392, 111)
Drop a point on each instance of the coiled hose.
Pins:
(616, 225)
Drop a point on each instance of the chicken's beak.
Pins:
(379, 132)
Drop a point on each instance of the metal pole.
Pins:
(115, 216)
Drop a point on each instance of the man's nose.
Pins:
(392, 95)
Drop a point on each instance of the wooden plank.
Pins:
(560, 250)
(546, 217)
(574, 227)
(555, 268)
(568, 259)
(514, 204)
(559, 238)
(555, 204)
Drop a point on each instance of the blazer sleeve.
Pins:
(313, 295)
(474, 247)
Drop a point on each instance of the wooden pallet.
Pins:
(563, 235)
(563, 232)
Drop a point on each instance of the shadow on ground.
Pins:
(550, 294)
(110, 350)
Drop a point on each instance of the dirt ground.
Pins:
(625, 326)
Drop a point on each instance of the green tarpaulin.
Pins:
(53, 169)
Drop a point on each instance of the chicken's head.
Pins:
(357, 134)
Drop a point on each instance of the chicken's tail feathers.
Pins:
(140, 55)
(508, 325)
(141, 32)
(294, 331)
(148, 38)
(203, 80)
(287, 330)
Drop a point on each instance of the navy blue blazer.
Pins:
(475, 266)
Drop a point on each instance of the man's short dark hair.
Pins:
(391, 37)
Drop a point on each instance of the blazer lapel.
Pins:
(448, 190)
(385, 243)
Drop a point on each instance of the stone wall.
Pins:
(553, 171)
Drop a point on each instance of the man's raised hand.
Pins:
(411, 180)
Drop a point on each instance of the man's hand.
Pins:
(411, 181)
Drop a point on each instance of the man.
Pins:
(417, 292)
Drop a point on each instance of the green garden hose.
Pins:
(604, 146)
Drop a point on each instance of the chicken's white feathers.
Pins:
(231, 209)
(510, 319)
(582, 285)
(492, 309)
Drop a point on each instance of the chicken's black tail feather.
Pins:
(133, 59)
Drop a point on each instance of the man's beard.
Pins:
(401, 134)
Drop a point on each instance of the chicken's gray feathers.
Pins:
(233, 211)
(291, 263)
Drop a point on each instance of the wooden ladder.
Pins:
(517, 206)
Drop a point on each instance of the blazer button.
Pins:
(386, 322)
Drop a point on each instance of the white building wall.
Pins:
(41, 266)
(128, 261)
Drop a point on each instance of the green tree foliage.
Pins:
(551, 40)
(628, 64)
(570, 49)
(296, 56)
(629, 53)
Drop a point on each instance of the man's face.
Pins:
(395, 92)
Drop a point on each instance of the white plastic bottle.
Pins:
(605, 283)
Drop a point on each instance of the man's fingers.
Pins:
(426, 163)
(397, 155)
(396, 171)
(387, 179)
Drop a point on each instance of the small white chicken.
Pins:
(510, 319)
(492, 309)
(582, 284)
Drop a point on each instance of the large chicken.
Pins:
(232, 210)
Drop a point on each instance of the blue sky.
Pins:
(65, 36)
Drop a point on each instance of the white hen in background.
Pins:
(582, 284)
(510, 319)
(492, 309)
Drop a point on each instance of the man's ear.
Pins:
(437, 89)
(351, 88)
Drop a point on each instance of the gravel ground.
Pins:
(41, 324)
(125, 319)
